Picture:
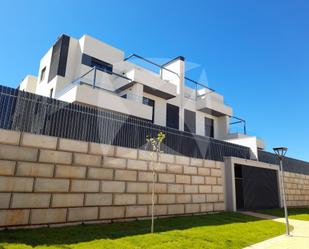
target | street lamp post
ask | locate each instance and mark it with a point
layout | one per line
(280, 152)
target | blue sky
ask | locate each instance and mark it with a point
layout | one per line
(255, 53)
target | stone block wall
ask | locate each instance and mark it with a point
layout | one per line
(50, 181)
(297, 189)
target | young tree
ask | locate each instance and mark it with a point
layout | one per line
(155, 144)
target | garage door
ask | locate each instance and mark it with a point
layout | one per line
(256, 188)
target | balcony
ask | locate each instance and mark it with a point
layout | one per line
(152, 83)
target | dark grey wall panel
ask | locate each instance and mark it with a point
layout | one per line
(59, 57)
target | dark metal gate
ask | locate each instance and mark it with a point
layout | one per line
(256, 188)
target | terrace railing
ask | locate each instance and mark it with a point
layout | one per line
(32, 113)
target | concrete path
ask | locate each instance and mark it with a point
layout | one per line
(299, 238)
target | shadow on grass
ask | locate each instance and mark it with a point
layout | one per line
(84, 233)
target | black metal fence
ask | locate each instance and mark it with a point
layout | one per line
(289, 164)
(32, 113)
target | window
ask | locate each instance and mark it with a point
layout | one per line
(209, 127)
(94, 62)
(172, 116)
(150, 102)
(51, 92)
(124, 96)
(190, 121)
(43, 71)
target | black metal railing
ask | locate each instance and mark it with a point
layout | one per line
(23, 111)
(289, 164)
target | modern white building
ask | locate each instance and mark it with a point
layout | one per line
(90, 72)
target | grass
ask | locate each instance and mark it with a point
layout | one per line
(222, 230)
(294, 213)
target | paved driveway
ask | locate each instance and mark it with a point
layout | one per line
(299, 238)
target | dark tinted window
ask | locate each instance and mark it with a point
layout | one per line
(189, 122)
(209, 127)
(43, 74)
(172, 116)
(94, 62)
(150, 102)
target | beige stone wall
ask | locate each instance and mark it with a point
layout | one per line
(48, 180)
(297, 189)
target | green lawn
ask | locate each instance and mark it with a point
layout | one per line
(294, 213)
(222, 230)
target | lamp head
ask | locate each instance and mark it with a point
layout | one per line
(280, 152)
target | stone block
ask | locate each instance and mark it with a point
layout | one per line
(125, 175)
(112, 162)
(111, 212)
(198, 180)
(99, 173)
(209, 164)
(9, 137)
(85, 186)
(87, 160)
(112, 186)
(212, 197)
(72, 145)
(220, 180)
(14, 217)
(124, 152)
(137, 164)
(101, 149)
(211, 180)
(15, 184)
(137, 187)
(158, 210)
(11, 152)
(205, 189)
(67, 200)
(70, 172)
(196, 162)
(146, 176)
(190, 170)
(216, 172)
(167, 158)
(167, 178)
(220, 206)
(174, 168)
(124, 199)
(5, 200)
(48, 216)
(166, 198)
(30, 200)
(34, 169)
(183, 179)
(191, 188)
(39, 141)
(198, 198)
(7, 168)
(136, 211)
(176, 209)
(146, 155)
(175, 188)
(221, 197)
(52, 156)
(192, 208)
(157, 166)
(203, 171)
(83, 213)
(184, 198)
(217, 189)
(146, 199)
(207, 207)
(219, 165)
(98, 199)
(159, 188)
(182, 160)
(51, 185)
